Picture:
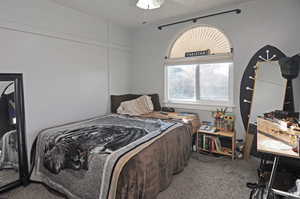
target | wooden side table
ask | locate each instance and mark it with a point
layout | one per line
(224, 150)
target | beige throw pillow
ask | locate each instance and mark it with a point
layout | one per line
(139, 106)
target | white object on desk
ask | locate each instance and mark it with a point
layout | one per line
(208, 129)
(275, 145)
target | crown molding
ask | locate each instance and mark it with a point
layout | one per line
(41, 31)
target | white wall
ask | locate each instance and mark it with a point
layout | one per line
(65, 57)
(262, 22)
(120, 70)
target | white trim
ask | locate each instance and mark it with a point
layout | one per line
(41, 31)
(231, 83)
(197, 106)
(218, 58)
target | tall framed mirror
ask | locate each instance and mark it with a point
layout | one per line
(263, 89)
(269, 90)
(13, 155)
(269, 94)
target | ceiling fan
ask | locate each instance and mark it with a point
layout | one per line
(154, 4)
(149, 4)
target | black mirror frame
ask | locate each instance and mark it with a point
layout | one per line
(17, 78)
(248, 81)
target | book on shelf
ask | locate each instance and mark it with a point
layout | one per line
(210, 143)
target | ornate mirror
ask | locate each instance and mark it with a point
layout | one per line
(13, 157)
(269, 90)
(263, 89)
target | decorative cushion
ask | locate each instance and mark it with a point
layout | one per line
(116, 101)
(139, 106)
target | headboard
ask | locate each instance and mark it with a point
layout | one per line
(116, 101)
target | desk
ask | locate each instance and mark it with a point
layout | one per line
(262, 138)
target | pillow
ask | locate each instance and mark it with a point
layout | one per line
(139, 106)
(116, 101)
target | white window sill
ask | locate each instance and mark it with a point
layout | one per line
(197, 106)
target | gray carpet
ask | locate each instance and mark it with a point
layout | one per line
(8, 176)
(205, 177)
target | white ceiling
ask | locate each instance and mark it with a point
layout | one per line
(125, 12)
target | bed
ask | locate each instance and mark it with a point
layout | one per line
(111, 156)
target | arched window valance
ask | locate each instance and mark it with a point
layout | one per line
(201, 39)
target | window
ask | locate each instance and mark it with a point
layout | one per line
(199, 83)
(214, 81)
(182, 82)
(204, 80)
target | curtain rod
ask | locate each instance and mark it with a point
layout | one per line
(195, 19)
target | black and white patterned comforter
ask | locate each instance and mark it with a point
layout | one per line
(78, 159)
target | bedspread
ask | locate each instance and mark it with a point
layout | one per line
(99, 157)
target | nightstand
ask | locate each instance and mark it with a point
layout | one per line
(210, 142)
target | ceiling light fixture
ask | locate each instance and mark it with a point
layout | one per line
(149, 4)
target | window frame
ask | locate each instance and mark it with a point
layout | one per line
(208, 105)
